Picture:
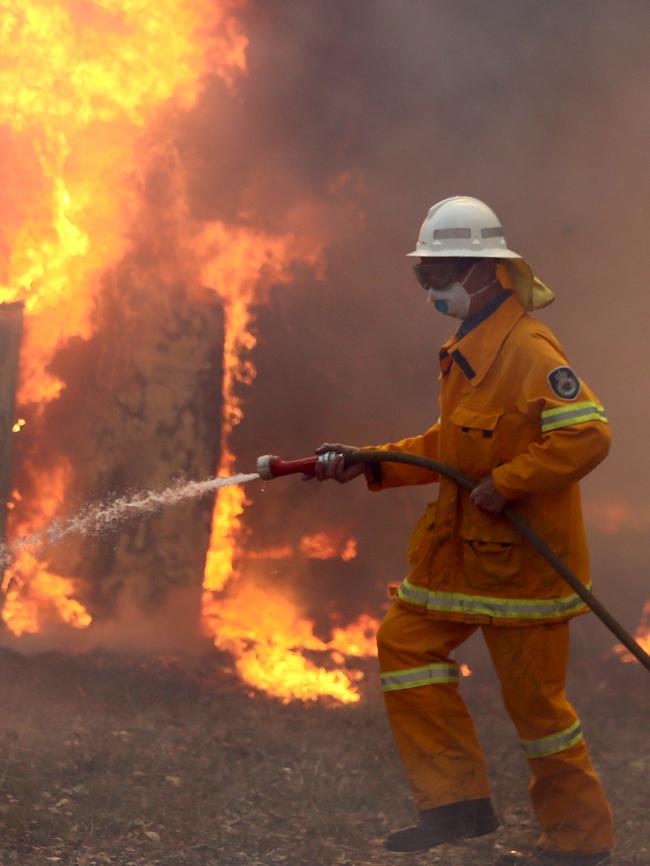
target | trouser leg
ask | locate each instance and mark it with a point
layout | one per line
(566, 793)
(433, 731)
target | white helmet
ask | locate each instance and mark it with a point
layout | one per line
(465, 227)
(462, 226)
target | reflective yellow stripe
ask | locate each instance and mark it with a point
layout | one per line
(570, 407)
(427, 675)
(414, 594)
(591, 416)
(554, 743)
(576, 413)
(482, 605)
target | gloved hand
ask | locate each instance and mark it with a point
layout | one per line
(336, 470)
(487, 497)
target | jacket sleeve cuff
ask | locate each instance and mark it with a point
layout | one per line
(500, 481)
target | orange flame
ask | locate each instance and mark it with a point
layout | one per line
(264, 631)
(358, 638)
(234, 262)
(642, 637)
(328, 545)
(35, 596)
(82, 84)
(268, 637)
(321, 545)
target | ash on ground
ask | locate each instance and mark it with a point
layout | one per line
(134, 761)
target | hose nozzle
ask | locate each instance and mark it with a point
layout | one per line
(269, 466)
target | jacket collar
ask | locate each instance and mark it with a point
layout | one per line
(475, 352)
(474, 321)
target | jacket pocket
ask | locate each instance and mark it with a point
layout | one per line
(475, 435)
(492, 550)
(418, 542)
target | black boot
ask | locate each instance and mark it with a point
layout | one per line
(445, 824)
(544, 857)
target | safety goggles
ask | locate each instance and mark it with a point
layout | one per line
(435, 275)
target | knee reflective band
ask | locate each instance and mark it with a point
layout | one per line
(554, 743)
(566, 416)
(427, 675)
(517, 520)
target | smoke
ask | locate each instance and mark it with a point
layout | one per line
(353, 119)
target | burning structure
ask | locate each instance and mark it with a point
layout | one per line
(138, 335)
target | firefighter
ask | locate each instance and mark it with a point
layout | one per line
(515, 416)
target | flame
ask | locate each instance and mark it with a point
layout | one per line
(234, 260)
(80, 85)
(350, 550)
(264, 631)
(321, 545)
(358, 638)
(328, 545)
(33, 594)
(82, 88)
(268, 637)
(642, 636)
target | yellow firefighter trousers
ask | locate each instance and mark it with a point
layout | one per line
(436, 738)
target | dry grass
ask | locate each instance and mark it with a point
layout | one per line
(114, 760)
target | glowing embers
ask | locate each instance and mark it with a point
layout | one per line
(275, 647)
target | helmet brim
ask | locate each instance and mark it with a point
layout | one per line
(465, 254)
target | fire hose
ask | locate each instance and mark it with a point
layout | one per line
(271, 466)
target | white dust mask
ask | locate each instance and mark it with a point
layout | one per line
(454, 300)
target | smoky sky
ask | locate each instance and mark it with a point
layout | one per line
(538, 108)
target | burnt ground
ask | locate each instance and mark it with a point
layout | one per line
(118, 760)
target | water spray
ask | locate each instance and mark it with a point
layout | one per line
(107, 516)
(269, 466)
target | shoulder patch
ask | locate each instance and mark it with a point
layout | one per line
(564, 383)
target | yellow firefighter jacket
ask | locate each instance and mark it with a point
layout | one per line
(510, 406)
